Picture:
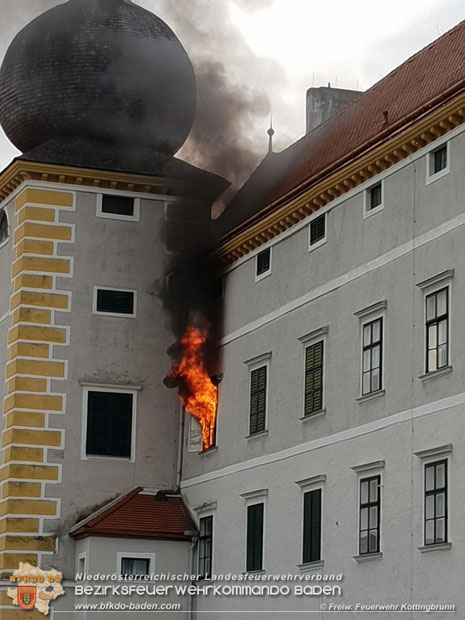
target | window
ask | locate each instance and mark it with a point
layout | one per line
(255, 514)
(205, 547)
(372, 339)
(263, 264)
(109, 423)
(369, 523)
(118, 207)
(312, 527)
(313, 378)
(135, 566)
(375, 196)
(436, 503)
(3, 226)
(258, 378)
(437, 164)
(114, 302)
(318, 230)
(437, 328)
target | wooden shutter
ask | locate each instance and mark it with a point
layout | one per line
(254, 537)
(312, 526)
(314, 378)
(263, 261)
(109, 424)
(317, 229)
(257, 399)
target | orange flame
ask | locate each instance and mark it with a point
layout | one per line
(197, 392)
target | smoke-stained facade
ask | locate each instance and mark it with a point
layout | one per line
(332, 290)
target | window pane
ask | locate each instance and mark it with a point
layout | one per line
(440, 530)
(429, 507)
(366, 335)
(375, 380)
(366, 360)
(429, 478)
(432, 360)
(442, 302)
(374, 490)
(364, 519)
(376, 330)
(375, 359)
(432, 336)
(429, 533)
(442, 336)
(440, 475)
(364, 492)
(442, 359)
(363, 542)
(373, 541)
(366, 384)
(373, 516)
(430, 307)
(440, 505)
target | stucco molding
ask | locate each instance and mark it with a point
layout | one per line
(311, 482)
(358, 469)
(434, 452)
(376, 307)
(444, 276)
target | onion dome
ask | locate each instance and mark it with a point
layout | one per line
(104, 71)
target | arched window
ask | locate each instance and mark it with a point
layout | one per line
(3, 226)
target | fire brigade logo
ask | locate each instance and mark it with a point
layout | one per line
(35, 588)
(27, 596)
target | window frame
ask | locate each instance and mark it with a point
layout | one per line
(369, 321)
(369, 315)
(367, 211)
(136, 555)
(203, 516)
(308, 485)
(254, 498)
(311, 339)
(324, 239)
(85, 403)
(431, 176)
(266, 273)
(368, 478)
(135, 217)
(254, 364)
(121, 315)
(443, 286)
(434, 463)
(5, 218)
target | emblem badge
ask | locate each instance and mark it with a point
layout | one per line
(27, 596)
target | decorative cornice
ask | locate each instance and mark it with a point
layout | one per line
(20, 171)
(278, 216)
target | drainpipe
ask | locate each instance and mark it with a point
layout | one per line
(192, 568)
(180, 446)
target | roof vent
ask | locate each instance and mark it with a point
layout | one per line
(161, 497)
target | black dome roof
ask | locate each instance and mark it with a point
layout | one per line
(105, 70)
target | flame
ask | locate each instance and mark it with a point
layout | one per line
(197, 392)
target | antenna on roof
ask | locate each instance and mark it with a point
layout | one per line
(270, 133)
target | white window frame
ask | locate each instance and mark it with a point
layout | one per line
(85, 399)
(5, 241)
(427, 457)
(252, 498)
(254, 364)
(367, 212)
(135, 217)
(307, 485)
(428, 287)
(120, 315)
(320, 242)
(368, 315)
(79, 557)
(368, 470)
(266, 273)
(137, 556)
(431, 177)
(206, 510)
(313, 337)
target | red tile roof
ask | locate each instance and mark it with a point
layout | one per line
(422, 82)
(139, 515)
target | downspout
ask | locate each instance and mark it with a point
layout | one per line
(179, 458)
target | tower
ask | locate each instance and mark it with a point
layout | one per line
(98, 96)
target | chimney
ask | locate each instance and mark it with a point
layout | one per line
(324, 102)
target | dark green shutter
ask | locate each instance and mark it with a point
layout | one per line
(257, 400)
(314, 378)
(312, 527)
(254, 537)
(109, 424)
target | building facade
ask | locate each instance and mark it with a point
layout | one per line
(338, 441)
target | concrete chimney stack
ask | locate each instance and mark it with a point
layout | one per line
(324, 102)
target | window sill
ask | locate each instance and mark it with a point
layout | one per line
(431, 178)
(436, 547)
(371, 396)
(369, 212)
(259, 434)
(436, 373)
(309, 566)
(317, 244)
(209, 451)
(312, 416)
(368, 557)
(259, 571)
